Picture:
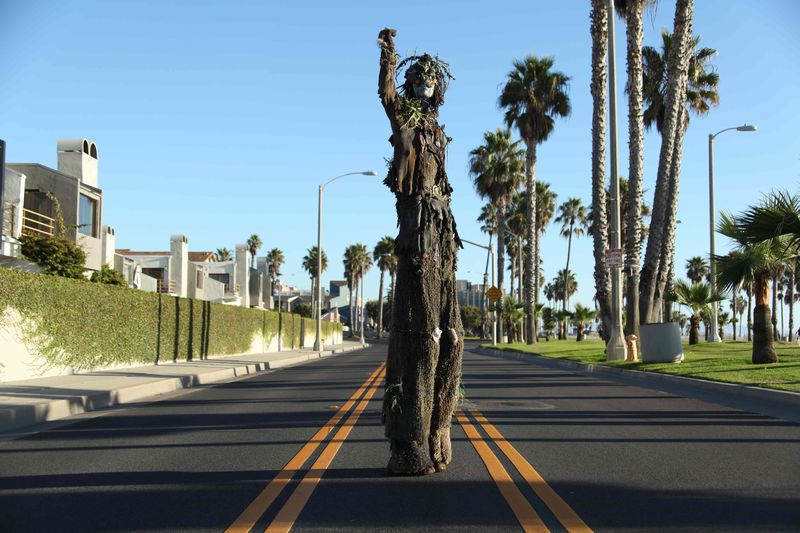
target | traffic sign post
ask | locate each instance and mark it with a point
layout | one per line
(614, 257)
(494, 294)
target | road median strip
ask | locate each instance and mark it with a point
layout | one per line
(286, 517)
(264, 500)
(562, 511)
(520, 506)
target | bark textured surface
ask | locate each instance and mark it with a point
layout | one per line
(426, 343)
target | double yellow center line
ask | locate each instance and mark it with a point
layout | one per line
(291, 510)
(520, 506)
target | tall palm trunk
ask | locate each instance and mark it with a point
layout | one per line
(775, 307)
(394, 279)
(678, 71)
(733, 301)
(750, 314)
(501, 231)
(790, 295)
(633, 217)
(666, 263)
(563, 326)
(694, 329)
(313, 298)
(602, 277)
(380, 306)
(520, 254)
(763, 347)
(531, 246)
(351, 286)
(362, 307)
(566, 269)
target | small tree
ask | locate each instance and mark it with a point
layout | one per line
(303, 310)
(223, 254)
(698, 297)
(512, 314)
(581, 317)
(471, 318)
(56, 255)
(109, 276)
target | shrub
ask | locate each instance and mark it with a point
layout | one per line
(56, 255)
(109, 276)
(303, 310)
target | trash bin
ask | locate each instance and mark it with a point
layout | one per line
(661, 343)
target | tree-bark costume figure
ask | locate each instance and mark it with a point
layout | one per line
(423, 368)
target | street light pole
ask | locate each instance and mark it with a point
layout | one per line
(615, 349)
(318, 345)
(714, 336)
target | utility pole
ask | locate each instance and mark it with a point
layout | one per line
(615, 349)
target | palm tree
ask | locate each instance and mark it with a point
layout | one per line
(564, 286)
(488, 218)
(697, 297)
(738, 309)
(253, 244)
(533, 97)
(777, 215)
(383, 255)
(723, 318)
(696, 269)
(310, 266)
(549, 292)
(572, 217)
(702, 82)
(660, 242)
(699, 95)
(753, 265)
(581, 316)
(496, 167)
(631, 11)
(602, 277)
(275, 261)
(357, 261)
(512, 313)
(353, 269)
(223, 254)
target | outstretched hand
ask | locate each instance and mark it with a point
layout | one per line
(386, 38)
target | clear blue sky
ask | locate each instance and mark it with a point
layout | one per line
(220, 119)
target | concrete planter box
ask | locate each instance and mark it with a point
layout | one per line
(661, 343)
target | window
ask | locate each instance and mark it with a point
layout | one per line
(200, 276)
(87, 216)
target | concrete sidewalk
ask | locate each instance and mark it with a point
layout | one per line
(33, 401)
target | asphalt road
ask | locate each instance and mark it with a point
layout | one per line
(603, 455)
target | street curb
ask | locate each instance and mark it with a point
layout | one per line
(20, 416)
(729, 393)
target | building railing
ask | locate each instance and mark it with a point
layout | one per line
(166, 287)
(236, 288)
(37, 223)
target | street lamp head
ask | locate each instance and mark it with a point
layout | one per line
(370, 173)
(746, 127)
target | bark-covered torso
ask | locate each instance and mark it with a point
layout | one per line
(419, 181)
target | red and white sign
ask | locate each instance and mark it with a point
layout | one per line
(614, 257)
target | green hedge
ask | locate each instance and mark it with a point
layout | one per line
(82, 324)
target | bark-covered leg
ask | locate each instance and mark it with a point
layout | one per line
(411, 367)
(448, 376)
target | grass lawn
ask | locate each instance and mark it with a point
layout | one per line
(727, 361)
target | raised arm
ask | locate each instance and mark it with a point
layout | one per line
(386, 89)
